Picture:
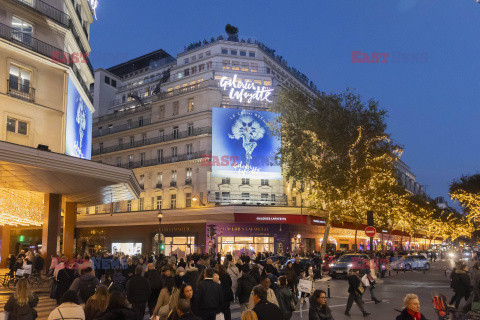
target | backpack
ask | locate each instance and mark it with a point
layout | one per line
(87, 288)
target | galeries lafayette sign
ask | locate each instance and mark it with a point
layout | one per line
(245, 91)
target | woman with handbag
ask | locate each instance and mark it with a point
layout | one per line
(167, 300)
(286, 300)
(21, 304)
(318, 306)
(369, 282)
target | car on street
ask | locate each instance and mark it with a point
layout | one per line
(411, 262)
(347, 262)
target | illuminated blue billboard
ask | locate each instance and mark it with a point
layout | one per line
(243, 145)
(78, 138)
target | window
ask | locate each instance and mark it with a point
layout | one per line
(142, 158)
(225, 180)
(189, 149)
(120, 143)
(160, 156)
(17, 126)
(161, 135)
(107, 80)
(188, 176)
(224, 51)
(254, 67)
(208, 53)
(190, 104)
(144, 139)
(200, 56)
(243, 53)
(22, 31)
(175, 132)
(226, 64)
(173, 201)
(119, 161)
(129, 123)
(159, 202)
(244, 66)
(159, 180)
(201, 67)
(264, 182)
(114, 83)
(129, 205)
(186, 72)
(194, 70)
(19, 79)
(174, 153)
(161, 112)
(217, 196)
(209, 65)
(132, 141)
(190, 129)
(173, 179)
(141, 204)
(245, 180)
(117, 206)
(245, 196)
(130, 160)
(140, 121)
(235, 65)
(272, 197)
(176, 106)
(233, 52)
(225, 196)
(251, 54)
(100, 146)
(294, 201)
(264, 197)
(186, 60)
(87, 210)
(188, 200)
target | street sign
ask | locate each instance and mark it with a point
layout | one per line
(210, 244)
(370, 232)
(302, 246)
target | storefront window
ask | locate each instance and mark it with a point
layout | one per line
(179, 245)
(257, 244)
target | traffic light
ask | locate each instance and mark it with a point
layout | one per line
(162, 246)
(370, 218)
(213, 231)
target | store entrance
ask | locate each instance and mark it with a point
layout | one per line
(180, 246)
(245, 244)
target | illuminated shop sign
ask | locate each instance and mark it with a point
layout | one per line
(245, 135)
(319, 221)
(282, 219)
(245, 91)
(78, 138)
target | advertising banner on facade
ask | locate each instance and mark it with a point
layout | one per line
(243, 145)
(78, 140)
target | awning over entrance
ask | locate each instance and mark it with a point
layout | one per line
(82, 181)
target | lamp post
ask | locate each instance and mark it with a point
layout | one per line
(160, 235)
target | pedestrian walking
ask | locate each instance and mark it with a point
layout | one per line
(118, 307)
(355, 291)
(369, 282)
(291, 277)
(167, 300)
(234, 274)
(245, 286)
(475, 296)
(22, 303)
(271, 297)
(226, 283)
(64, 276)
(412, 308)
(461, 284)
(155, 279)
(308, 276)
(318, 307)
(285, 298)
(97, 303)
(186, 293)
(184, 312)
(209, 297)
(69, 308)
(263, 308)
(138, 292)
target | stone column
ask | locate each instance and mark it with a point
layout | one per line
(51, 226)
(5, 243)
(69, 223)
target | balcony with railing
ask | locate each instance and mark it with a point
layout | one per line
(20, 91)
(27, 41)
(121, 127)
(237, 199)
(150, 141)
(164, 160)
(173, 183)
(188, 181)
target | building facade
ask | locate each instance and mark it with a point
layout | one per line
(162, 117)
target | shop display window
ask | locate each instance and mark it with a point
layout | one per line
(257, 244)
(179, 245)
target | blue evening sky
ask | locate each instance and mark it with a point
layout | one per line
(433, 101)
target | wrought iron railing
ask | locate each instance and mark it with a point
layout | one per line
(21, 91)
(154, 162)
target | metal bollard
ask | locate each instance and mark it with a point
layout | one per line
(445, 270)
(328, 288)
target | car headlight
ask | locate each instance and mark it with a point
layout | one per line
(350, 265)
(332, 265)
(451, 255)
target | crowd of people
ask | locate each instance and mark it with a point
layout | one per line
(200, 286)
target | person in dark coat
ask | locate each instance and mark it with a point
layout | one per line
(184, 312)
(209, 297)
(355, 293)
(245, 285)
(21, 304)
(318, 307)
(38, 263)
(285, 299)
(291, 277)
(155, 279)
(264, 309)
(461, 284)
(412, 309)
(117, 308)
(138, 292)
(226, 283)
(65, 278)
